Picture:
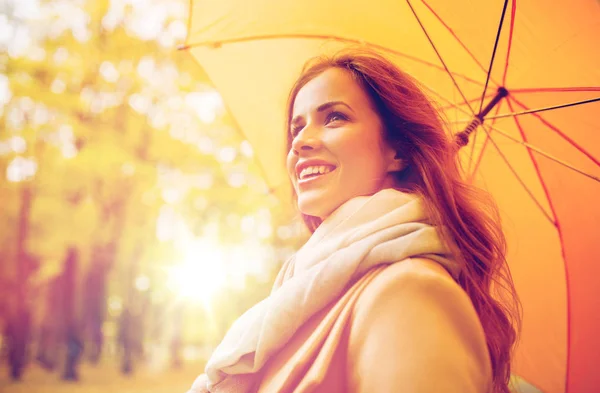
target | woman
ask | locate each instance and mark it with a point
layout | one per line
(393, 291)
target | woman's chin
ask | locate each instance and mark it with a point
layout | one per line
(315, 207)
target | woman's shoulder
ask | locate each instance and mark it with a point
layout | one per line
(409, 276)
(419, 283)
(416, 317)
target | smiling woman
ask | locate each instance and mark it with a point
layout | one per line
(393, 291)
(336, 127)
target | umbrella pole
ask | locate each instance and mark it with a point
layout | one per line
(462, 138)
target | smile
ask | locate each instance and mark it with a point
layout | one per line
(311, 173)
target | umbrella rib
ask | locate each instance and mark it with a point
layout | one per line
(510, 38)
(548, 108)
(261, 168)
(483, 148)
(556, 89)
(489, 72)
(463, 121)
(440, 58)
(514, 172)
(264, 37)
(541, 152)
(479, 158)
(533, 160)
(528, 145)
(456, 37)
(471, 101)
(561, 134)
(450, 103)
(189, 21)
(562, 249)
(471, 172)
(472, 152)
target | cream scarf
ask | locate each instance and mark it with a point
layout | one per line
(364, 232)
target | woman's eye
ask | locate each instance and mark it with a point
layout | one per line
(295, 131)
(335, 116)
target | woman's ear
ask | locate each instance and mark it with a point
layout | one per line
(396, 163)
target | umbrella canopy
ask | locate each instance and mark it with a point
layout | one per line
(538, 151)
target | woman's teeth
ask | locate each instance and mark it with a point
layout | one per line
(314, 170)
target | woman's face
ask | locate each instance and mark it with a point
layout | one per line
(337, 150)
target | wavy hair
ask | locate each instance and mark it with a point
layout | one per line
(414, 127)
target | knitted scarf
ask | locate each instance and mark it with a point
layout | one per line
(367, 231)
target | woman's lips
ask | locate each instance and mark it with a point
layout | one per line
(312, 179)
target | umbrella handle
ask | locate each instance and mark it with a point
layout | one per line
(462, 138)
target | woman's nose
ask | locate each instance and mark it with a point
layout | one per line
(306, 140)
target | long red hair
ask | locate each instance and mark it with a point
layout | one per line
(413, 126)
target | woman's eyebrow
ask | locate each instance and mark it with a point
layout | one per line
(327, 105)
(322, 108)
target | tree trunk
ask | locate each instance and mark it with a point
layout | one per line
(19, 324)
(94, 295)
(72, 332)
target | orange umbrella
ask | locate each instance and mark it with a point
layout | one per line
(528, 70)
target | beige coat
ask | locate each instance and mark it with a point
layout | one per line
(402, 328)
(343, 317)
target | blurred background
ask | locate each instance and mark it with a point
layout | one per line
(135, 223)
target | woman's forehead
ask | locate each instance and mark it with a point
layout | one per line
(333, 84)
